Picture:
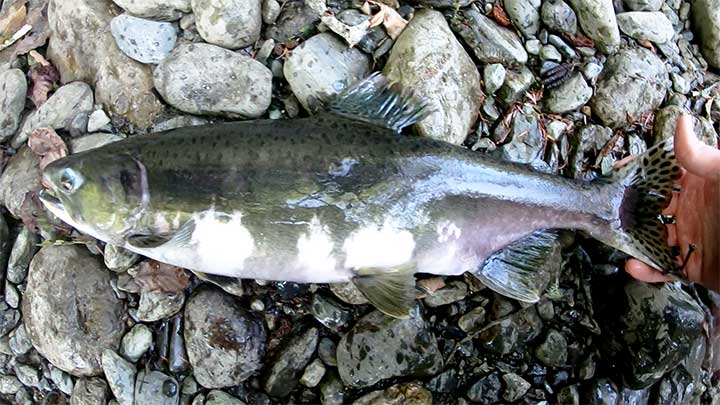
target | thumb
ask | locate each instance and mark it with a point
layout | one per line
(692, 154)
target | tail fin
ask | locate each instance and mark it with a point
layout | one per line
(644, 189)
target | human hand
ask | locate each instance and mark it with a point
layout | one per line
(696, 208)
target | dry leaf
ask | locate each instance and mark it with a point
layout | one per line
(580, 40)
(392, 21)
(365, 8)
(30, 209)
(47, 144)
(430, 285)
(498, 14)
(37, 18)
(12, 21)
(43, 80)
(153, 276)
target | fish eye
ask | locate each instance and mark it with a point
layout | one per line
(69, 180)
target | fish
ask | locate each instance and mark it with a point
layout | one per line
(343, 196)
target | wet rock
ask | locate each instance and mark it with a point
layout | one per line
(313, 373)
(500, 338)
(179, 121)
(62, 380)
(119, 259)
(177, 359)
(517, 82)
(494, 77)
(472, 320)
(680, 84)
(322, 67)
(453, 292)
(5, 244)
(143, 40)
(93, 141)
(347, 292)
(22, 253)
(72, 337)
(649, 26)
(120, 375)
(428, 59)
(601, 391)
(9, 384)
(228, 23)
(332, 390)
(270, 11)
(154, 306)
(296, 19)
(565, 49)
(20, 343)
(207, 79)
(490, 42)
(217, 397)
(29, 376)
(569, 96)
(63, 105)
(89, 391)
(154, 387)
(549, 52)
(524, 138)
(666, 121)
(285, 372)
(597, 20)
(363, 352)
(633, 84)
(569, 395)
(515, 387)
(553, 350)
(559, 16)
(406, 393)
(136, 342)
(643, 5)
(9, 318)
(13, 89)
(327, 351)
(98, 121)
(525, 14)
(82, 48)
(706, 21)
(329, 312)
(447, 381)
(165, 10)
(225, 344)
(486, 390)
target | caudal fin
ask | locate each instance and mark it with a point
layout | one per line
(645, 188)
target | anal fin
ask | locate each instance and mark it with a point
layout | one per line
(523, 269)
(392, 291)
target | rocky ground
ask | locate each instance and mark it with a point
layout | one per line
(567, 87)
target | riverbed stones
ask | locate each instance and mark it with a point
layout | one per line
(569, 96)
(228, 23)
(143, 40)
(525, 14)
(649, 26)
(13, 88)
(706, 22)
(164, 10)
(558, 16)
(597, 20)
(490, 42)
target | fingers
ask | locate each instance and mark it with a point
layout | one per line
(643, 272)
(695, 156)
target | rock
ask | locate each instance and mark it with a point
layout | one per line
(429, 60)
(89, 391)
(486, 390)
(633, 83)
(525, 14)
(225, 344)
(62, 380)
(154, 306)
(347, 292)
(217, 397)
(72, 337)
(119, 259)
(93, 141)
(569, 395)
(20, 343)
(601, 391)
(517, 82)
(9, 384)
(9, 318)
(228, 23)
(591, 71)
(559, 16)
(284, 373)
(329, 312)
(706, 20)
(643, 5)
(154, 387)
(143, 40)
(13, 90)
(666, 121)
(549, 52)
(524, 138)
(82, 48)
(29, 376)
(12, 295)
(313, 373)
(322, 67)
(120, 375)
(453, 292)
(362, 354)
(190, 386)
(597, 19)
(179, 122)
(296, 19)
(63, 105)
(472, 320)
(565, 49)
(533, 46)
(136, 342)
(490, 42)
(494, 77)
(569, 96)
(327, 351)
(680, 85)
(648, 26)
(515, 387)
(207, 79)
(165, 10)
(332, 390)
(22, 253)
(270, 11)
(406, 393)
(553, 350)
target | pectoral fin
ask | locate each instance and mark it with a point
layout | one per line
(523, 269)
(149, 241)
(392, 291)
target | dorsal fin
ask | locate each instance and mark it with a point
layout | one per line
(377, 102)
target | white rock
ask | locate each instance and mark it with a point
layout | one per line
(13, 90)
(229, 23)
(494, 77)
(144, 40)
(168, 10)
(136, 342)
(649, 26)
(120, 375)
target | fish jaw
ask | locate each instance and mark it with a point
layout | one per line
(56, 207)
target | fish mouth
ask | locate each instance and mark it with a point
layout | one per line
(54, 205)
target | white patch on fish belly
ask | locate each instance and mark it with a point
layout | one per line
(448, 231)
(383, 247)
(222, 243)
(315, 250)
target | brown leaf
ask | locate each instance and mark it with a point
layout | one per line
(37, 17)
(580, 40)
(153, 276)
(498, 14)
(30, 209)
(430, 285)
(12, 20)
(43, 80)
(392, 21)
(47, 144)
